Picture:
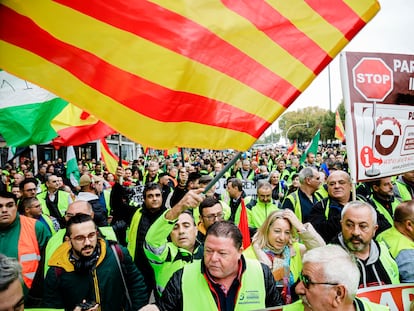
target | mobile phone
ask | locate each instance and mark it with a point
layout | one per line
(86, 305)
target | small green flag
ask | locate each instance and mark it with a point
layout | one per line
(312, 147)
(72, 170)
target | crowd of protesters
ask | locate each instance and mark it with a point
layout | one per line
(150, 236)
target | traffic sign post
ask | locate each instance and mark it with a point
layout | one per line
(373, 79)
(378, 92)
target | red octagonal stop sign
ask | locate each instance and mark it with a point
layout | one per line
(373, 78)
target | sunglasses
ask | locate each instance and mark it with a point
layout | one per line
(307, 281)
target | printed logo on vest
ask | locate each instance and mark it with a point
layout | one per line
(249, 297)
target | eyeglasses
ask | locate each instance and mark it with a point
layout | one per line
(307, 281)
(82, 238)
(30, 190)
(212, 217)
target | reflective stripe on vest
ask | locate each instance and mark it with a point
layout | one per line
(297, 207)
(296, 204)
(133, 232)
(28, 249)
(389, 264)
(381, 209)
(107, 196)
(251, 294)
(296, 262)
(63, 202)
(404, 191)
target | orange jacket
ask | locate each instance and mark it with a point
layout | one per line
(28, 249)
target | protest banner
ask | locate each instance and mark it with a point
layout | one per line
(396, 297)
(379, 106)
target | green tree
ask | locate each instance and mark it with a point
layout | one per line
(314, 117)
(328, 126)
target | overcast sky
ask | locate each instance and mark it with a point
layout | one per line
(390, 31)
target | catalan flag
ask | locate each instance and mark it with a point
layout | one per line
(339, 128)
(184, 73)
(293, 148)
(110, 159)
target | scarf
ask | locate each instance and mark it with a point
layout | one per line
(280, 268)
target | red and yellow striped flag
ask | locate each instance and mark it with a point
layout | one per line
(110, 159)
(202, 74)
(339, 128)
(76, 127)
(293, 148)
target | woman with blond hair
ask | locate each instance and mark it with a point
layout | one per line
(279, 187)
(276, 244)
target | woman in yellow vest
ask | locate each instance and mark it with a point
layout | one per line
(276, 245)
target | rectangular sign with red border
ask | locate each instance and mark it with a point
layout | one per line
(379, 104)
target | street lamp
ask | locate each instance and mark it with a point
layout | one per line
(294, 125)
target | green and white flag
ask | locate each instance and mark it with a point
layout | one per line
(26, 111)
(312, 147)
(72, 170)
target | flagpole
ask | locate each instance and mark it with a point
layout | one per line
(292, 126)
(120, 149)
(222, 172)
(182, 157)
(329, 87)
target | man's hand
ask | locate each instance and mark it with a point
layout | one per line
(120, 172)
(191, 199)
(293, 219)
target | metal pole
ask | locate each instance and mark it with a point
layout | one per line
(120, 149)
(329, 87)
(294, 125)
(182, 157)
(224, 170)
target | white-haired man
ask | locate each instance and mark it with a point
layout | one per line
(329, 281)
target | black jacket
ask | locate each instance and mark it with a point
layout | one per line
(327, 227)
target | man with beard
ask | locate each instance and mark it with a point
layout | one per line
(383, 200)
(89, 269)
(77, 207)
(329, 281)
(375, 263)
